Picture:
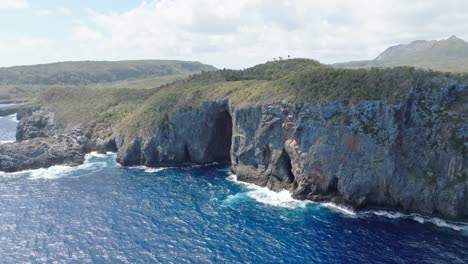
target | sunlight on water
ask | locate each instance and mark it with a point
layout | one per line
(102, 212)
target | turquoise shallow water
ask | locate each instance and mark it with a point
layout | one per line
(100, 212)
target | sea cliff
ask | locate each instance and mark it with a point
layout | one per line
(408, 153)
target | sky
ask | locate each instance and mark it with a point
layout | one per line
(224, 33)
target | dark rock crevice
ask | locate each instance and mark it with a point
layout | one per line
(187, 158)
(219, 144)
(191, 137)
(284, 168)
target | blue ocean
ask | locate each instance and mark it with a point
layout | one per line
(100, 212)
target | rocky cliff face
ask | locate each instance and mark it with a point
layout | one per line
(41, 153)
(193, 137)
(409, 155)
(42, 143)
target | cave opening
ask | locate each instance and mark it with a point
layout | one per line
(284, 168)
(219, 148)
(187, 158)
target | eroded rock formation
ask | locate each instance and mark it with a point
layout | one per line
(408, 155)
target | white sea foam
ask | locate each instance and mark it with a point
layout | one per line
(6, 141)
(89, 166)
(95, 154)
(457, 226)
(10, 117)
(158, 169)
(13, 118)
(59, 171)
(204, 165)
(269, 197)
(148, 169)
(284, 199)
(338, 208)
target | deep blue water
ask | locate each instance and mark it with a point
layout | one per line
(101, 212)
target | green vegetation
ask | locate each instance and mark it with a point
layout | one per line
(26, 82)
(450, 55)
(137, 111)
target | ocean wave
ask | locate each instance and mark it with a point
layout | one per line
(203, 165)
(338, 208)
(10, 117)
(457, 226)
(95, 154)
(284, 199)
(13, 118)
(266, 196)
(60, 171)
(148, 169)
(158, 169)
(6, 141)
(93, 162)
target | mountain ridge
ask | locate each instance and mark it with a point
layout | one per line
(448, 55)
(23, 82)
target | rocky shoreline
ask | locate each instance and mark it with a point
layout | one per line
(408, 156)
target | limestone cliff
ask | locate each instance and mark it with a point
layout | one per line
(409, 155)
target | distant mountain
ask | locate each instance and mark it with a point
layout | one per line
(93, 72)
(25, 82)
(449, 55)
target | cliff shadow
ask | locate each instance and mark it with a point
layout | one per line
(219, 144)
(284, 168)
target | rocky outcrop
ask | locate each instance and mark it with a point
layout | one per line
(36, 123)
(41, 153)
(42, 143)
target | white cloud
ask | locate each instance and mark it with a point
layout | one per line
(21, 50)
(245, 32)
(85, 34)
(42, 12)
(13, 4)
(65, 11)
(241, 33)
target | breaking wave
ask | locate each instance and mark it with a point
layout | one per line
(93, 162)
(457, 226)
(158, 169)
(148, 169)
(284, 199)
(264, 195)
(13, 118)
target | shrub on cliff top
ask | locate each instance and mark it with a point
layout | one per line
(294, 81)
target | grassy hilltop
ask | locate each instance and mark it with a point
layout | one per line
(101, 111)
(25, 82)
